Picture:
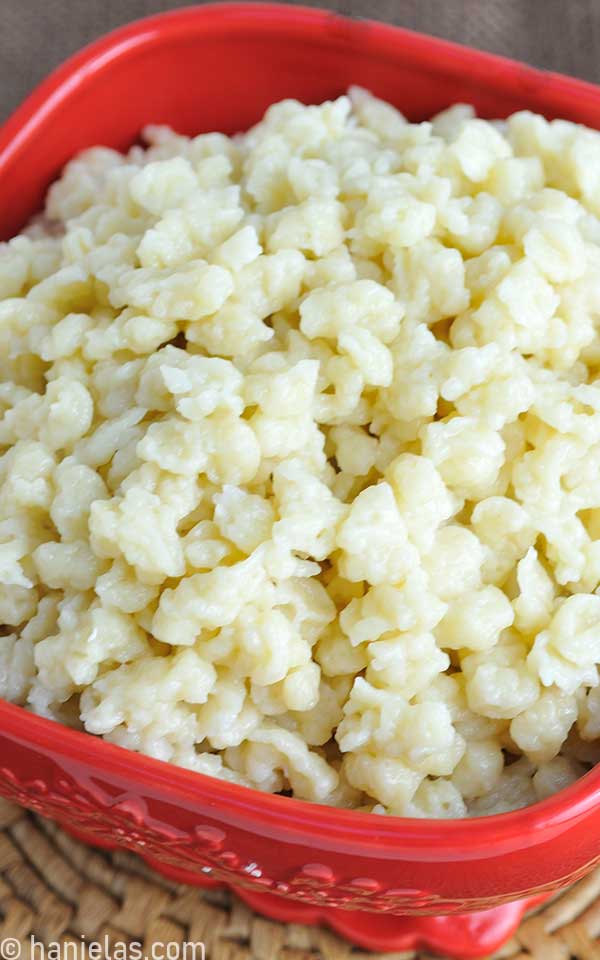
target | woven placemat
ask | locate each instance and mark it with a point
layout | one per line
(61, 891)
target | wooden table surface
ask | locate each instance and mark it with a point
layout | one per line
(563, 35)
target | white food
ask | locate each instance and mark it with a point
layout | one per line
(300, 455)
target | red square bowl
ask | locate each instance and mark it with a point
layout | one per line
(382, 881)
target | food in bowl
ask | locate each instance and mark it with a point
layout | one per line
(301, 441)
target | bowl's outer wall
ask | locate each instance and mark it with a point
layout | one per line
(219, 68)
(223, 833)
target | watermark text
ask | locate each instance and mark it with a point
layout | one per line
(12, 948)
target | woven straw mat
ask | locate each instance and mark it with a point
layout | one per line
(59, 890)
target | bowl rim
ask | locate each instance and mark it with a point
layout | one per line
(253, 16)
(361, 833)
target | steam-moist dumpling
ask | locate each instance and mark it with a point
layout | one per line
(299, 455)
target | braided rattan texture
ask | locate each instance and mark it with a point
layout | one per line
(60, 891)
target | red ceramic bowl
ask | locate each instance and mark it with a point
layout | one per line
(383, 882)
